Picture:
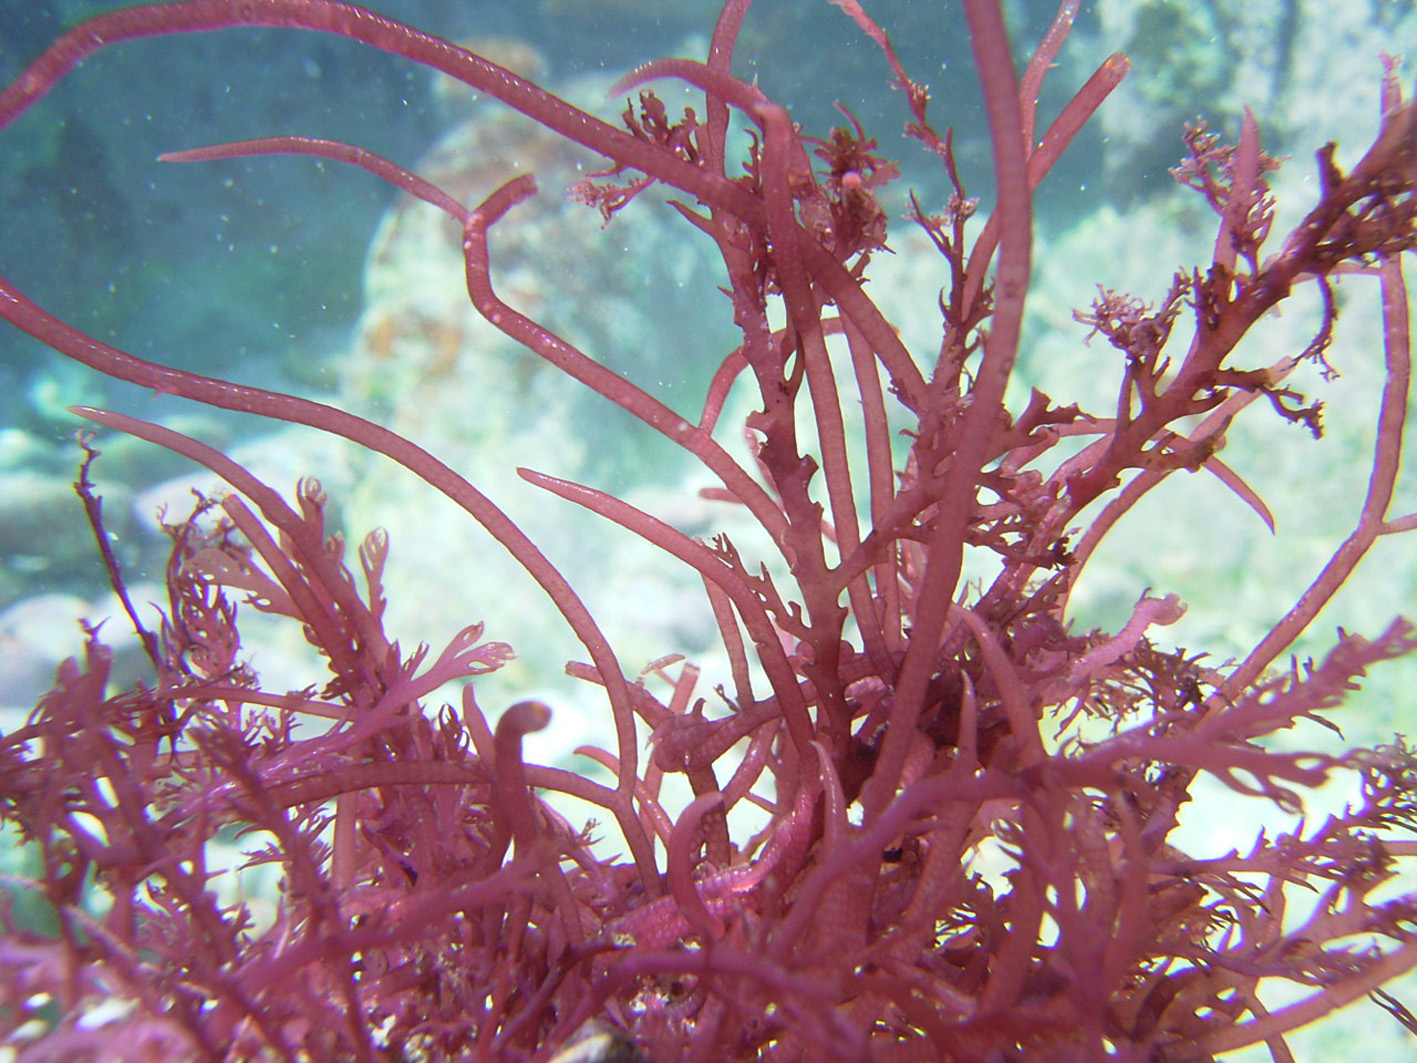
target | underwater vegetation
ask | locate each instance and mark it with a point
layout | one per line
(921, 816)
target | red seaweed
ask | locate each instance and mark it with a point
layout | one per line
(894, 721)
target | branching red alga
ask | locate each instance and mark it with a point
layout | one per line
(892, 720)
